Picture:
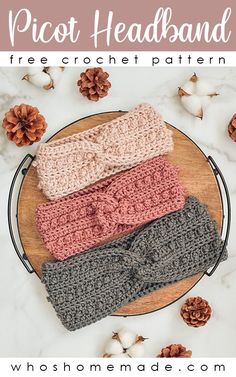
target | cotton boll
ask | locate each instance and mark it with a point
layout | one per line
(55, 74)
(113, 347)
(136, 350)
(193, 105)
(126, 337)
(41, 80)
(196, 94)
(45, 78)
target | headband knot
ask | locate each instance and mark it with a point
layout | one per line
(89, 286)
(115, 205)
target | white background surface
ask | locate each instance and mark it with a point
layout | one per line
(28, 324)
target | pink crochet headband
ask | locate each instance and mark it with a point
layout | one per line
(67, 165)
(115, 205)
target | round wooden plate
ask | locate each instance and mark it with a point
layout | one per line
(195, 174)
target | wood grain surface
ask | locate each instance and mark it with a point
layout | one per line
(195, 174)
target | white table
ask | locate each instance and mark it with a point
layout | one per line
(28, 324)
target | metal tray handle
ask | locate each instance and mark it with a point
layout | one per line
(218, 174)
(20, 254)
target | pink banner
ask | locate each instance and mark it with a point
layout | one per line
(111, 25)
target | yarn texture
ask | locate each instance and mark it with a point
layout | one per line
(67, 165)
(89, 286)
(116, 205)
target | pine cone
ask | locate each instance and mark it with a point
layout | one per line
(24, 125)
(93, 83)
(196, 311)
(232, 128)
(175, 350)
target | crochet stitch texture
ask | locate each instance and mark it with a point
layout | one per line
(118, 204)
(67, 165)
(89, 286)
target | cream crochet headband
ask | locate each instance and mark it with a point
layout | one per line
(67, 165)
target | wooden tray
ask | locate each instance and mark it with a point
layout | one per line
(195, 173)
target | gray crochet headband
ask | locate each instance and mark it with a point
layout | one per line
(92, 285)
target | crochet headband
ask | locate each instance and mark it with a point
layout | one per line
(118, 204)
(67, 165)
(89, 286)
